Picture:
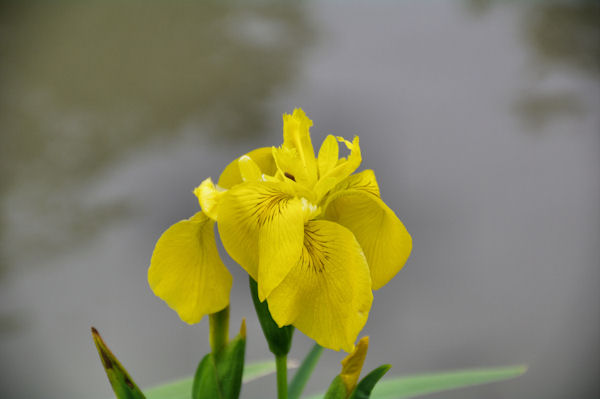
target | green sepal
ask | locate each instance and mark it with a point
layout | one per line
(365, 386)
(220, 376)
(278, 339)
(304, 372)
(122, 384)
(337, 389)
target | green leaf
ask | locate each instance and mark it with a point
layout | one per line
(278, 339)
(365, 386)
(304, 372)
(337, 389)
(257, 370)
(206, 385)
(122, 384)
(180, 389)
(423, 384)
(408, 387)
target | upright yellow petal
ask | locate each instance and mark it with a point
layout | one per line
(261, 226)
(261, 156)
(328, 155)
(296, 136)
(186, 271)
(343, 168)
(327, 294)
(290, 166)
(249, 170)
(355, 204)
(353, 363)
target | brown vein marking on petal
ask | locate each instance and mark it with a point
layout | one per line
(362, 184)
(270, 205)
(314, 254)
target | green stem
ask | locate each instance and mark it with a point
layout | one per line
(281, 363)
(218, 330)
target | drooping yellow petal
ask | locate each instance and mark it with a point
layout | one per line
(280, 244)
(355, 203)
(186, 271)
(327, 294)
(261, 156)
(343, 168)
(353, 363)
(261, 226)
(364, 181)
(296, 136)
(209, 196)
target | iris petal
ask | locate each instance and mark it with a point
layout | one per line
(249, 170)
(186, 271)
(261, 226)
(342, 169)
(209, 197)
(261, 156)
(353, 363)
(327, 294)
(355, 204)
(296, 137)
(328, 155)
(290, 167)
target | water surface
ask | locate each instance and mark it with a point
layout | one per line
(480, 121)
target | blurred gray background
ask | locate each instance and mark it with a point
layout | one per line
(480, 120)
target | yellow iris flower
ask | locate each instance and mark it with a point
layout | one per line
(316, 238)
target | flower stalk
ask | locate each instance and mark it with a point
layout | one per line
(281, 364)
(218, 330)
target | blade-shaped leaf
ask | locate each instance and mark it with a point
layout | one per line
(304, 372)
(366, 385)
(122, 384)
(257, 370)
(417, 385)
(423, 384)
(180, 389)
